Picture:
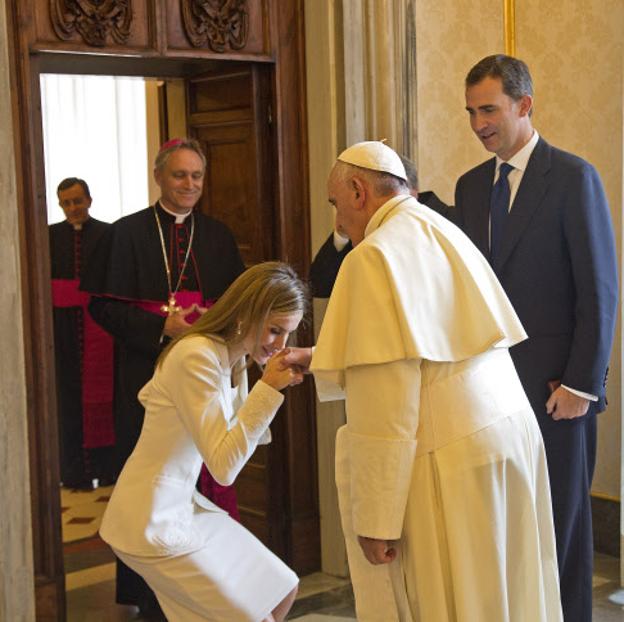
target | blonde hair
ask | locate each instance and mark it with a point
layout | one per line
(266, 288)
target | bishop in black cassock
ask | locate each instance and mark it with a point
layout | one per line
(128, 285)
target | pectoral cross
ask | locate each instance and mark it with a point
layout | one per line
(172, 306)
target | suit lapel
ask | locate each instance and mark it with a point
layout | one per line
(477, 212)
(528, 198)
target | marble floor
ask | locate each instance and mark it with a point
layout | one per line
(90, 575)
(81, 512)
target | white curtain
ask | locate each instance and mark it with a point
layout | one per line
(94, 127)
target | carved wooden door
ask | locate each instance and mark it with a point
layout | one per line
(267, 208)
(229, 113)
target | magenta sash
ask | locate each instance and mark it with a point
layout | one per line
(96, 362)
(223, 496)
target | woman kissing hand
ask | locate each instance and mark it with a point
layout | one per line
(279, 375)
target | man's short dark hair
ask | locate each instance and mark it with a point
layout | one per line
(67, 183)
(512, 72)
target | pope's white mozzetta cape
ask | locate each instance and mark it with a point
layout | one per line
(441, 452)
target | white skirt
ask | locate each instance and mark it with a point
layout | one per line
(234, 577)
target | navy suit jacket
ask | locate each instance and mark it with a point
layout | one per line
(557, 265)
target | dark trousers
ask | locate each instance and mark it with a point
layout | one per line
(133, 590)
(571, 454)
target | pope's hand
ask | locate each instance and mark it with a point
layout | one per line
(377, 551)
(297, 357)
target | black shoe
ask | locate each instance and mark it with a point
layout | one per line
(106, 481)
(149, 609)
(152, 614)
(84, 485)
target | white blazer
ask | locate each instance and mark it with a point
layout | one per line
(193, 414)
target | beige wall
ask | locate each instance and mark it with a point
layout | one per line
(575, 51)
(16, 566)
(451, 35)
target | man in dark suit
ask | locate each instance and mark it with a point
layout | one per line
(327, 262)
(541, 216)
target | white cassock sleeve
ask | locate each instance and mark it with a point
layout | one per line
(382, 413)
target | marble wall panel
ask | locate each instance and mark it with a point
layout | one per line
(16, 566)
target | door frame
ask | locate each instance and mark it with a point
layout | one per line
(292, 239)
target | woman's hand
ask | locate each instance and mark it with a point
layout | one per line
(278, 375)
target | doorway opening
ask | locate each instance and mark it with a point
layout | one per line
(227, 107)
(96, 128)
(105, 130)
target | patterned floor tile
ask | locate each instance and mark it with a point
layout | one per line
(82, 512)
(81, 520)
(90, 569)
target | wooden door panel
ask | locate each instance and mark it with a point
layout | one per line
(259, 526)
(92, 26)
(243, 30)
(250, 489)
(228, 114)
(230, 191)
(252, 485)
(221, 92)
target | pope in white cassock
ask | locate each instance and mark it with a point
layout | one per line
(440, 468)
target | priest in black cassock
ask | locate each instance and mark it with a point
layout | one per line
(83, 351)
(154, 272)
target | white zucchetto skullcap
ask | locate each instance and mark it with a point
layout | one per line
(375, 156)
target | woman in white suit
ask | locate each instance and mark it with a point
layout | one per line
(202, 564)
